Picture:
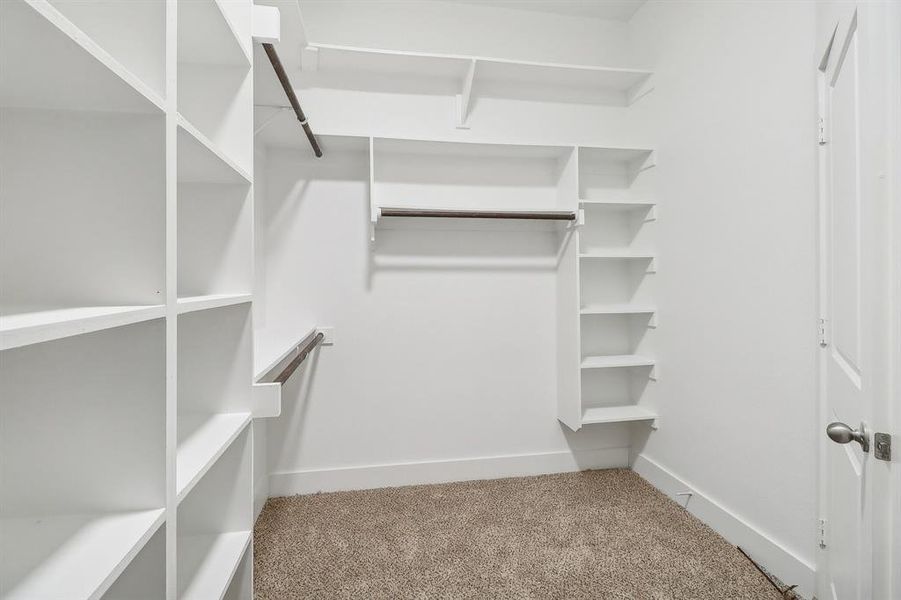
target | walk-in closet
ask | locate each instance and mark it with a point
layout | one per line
(464, 299)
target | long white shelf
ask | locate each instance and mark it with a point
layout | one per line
(616, 361)
(76, 557)
(616, 414)
(70, 71)
(481, 69)
(202, 439)
(207, 564)
(194, 303)
(42, 326)
(201, 161)
(617, 309)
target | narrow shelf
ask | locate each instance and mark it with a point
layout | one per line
(616, 414)
(72, 556)
(207, 563)
(195, 303)
(622, 203)
(218, 44)
(616, 361)
(201, 161)
(616, 309)
(24, 329)
(617, 254)
(69, 72)
(202, 438)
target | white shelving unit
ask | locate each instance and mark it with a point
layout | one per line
(126, 217)
(606, 312)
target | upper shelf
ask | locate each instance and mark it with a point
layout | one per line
(206, 35)
(474, 75)
(48, 63)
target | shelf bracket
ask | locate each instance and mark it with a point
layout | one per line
(464, 98)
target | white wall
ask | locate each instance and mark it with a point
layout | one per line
(439, 368)
(734, 116)
(456, 28)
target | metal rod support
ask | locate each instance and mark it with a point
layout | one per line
(479, 214)
(292, 97)
(304, 351)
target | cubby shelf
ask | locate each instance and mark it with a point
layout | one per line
(23, 329)
(203, 438)
(201, 161)
(195, 303)
(70, 72)
(617, 309)
(72, 556)
(616, 414)
(616, 361)
(208, 563)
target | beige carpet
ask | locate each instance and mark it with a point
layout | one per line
(594, 535)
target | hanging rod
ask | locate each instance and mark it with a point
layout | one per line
(304, 351)
(292, 97)
(546, 215)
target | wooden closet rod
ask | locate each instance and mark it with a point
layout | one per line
(548, 215)
(305, 350)
(292, 97)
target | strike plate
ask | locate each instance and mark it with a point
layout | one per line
(883, 444)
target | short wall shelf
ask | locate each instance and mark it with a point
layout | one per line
(194, 303)
(616, 309)
(617, 414)
(617, 361)
(76, 556)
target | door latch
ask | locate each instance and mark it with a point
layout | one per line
(882, 443)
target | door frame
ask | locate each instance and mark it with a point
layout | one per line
(886, 480)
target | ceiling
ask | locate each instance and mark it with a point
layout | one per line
(616, 10)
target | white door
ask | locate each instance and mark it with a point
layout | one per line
(855, 276)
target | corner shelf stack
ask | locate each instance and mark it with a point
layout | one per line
(125, 339)
(605, 300)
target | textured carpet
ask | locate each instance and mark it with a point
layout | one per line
(594, 535)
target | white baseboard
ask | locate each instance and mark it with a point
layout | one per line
(443, 471)
(783, 563)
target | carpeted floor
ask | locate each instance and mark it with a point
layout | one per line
(593, 535)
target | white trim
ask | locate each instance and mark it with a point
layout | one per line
(443, 471)
(783, 563)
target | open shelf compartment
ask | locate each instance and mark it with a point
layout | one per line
(214, 388)
(101, 494)
(215, 87)
(215, 526)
